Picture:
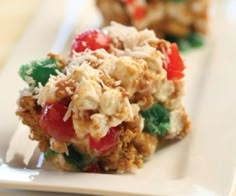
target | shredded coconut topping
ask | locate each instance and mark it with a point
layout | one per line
(107, 88)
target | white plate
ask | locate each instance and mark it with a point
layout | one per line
(201, 164)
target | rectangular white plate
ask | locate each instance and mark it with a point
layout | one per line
(201, 164)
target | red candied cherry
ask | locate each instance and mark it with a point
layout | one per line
(139, 12)
(175, 66)
(129, 1)
(52, 123)
(107, 142)
(93, 168)
(91, 39)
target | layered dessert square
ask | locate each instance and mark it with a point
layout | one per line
(110, 104)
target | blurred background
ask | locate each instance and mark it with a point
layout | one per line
(14, 17)
(53, 22)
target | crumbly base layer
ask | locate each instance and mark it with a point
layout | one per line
(133, 149)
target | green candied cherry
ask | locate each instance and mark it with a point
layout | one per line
(156, 120)
(49, 154)
(78, 159)
(192, 40)
(195, 39)
(39, 71)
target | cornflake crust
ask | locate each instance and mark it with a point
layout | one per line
(166, 17)
(110, 105)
